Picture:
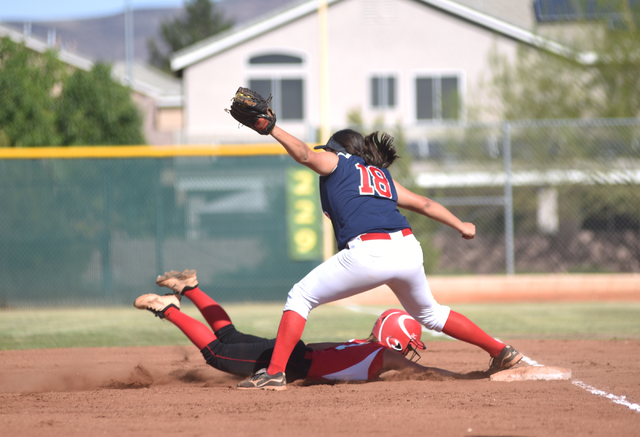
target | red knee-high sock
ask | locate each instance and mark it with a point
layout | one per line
(212, 312)
(461, 328)
(197, 332)
(289, 333)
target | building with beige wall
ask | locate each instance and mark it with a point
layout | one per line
(418, 63)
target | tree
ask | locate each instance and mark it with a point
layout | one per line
(201, 20)
(599, 79)
(615, 71)
(28, 85)
(537, 85)
(93, 109)
(44, 105)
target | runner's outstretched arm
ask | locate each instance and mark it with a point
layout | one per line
(392, 360)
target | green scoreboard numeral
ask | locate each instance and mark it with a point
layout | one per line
(304, 217)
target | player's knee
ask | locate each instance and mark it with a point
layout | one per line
(434, 318)
(298, 301)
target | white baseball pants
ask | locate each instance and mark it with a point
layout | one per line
(364, 265)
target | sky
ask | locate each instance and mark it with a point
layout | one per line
(56, 10)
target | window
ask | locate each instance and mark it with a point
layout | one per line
(438, 97)
(572, 10)
(288, 101)
(279, 75)
(383, 92)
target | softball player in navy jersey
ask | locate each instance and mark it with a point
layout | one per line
(394, 335)
(376, 247)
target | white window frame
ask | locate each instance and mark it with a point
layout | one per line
(277, 72)
(438, 74)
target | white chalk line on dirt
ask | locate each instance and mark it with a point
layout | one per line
(620, 400)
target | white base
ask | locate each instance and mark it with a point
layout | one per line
(532, 373)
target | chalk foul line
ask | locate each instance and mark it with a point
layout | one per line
(621, 400)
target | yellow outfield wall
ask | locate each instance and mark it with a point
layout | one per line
(79, 152)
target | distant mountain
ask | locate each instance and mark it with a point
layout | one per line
(102, 38)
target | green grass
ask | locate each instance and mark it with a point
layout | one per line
(126, 326)
(596, 320)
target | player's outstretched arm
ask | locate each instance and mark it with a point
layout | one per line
(322, 163)
(432, 209)
(392, 360)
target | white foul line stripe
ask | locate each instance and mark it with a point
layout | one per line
(620, 400)
(531, 362)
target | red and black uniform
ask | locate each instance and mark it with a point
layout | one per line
(356, 360)
(242, 354)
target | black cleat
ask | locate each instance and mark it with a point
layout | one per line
(263, 381)
(508, 358)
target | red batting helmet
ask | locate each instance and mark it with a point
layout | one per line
(397, 330)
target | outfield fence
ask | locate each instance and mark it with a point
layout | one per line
(559, 196)
(82, 231)
(96, 225)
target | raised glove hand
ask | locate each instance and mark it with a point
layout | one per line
(252, 110)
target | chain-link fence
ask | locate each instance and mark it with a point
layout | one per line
(546, 197)
(99, 231)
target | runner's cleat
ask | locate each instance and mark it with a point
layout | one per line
(263, 381)
(157, 304)
(179, 282)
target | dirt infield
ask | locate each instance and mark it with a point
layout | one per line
(170, 391)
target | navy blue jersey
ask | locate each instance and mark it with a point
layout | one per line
(359, 198)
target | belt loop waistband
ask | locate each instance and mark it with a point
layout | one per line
(384, 236)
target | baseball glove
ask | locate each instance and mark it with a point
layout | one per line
(252, 110)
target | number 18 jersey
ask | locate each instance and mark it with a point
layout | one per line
(360, 198)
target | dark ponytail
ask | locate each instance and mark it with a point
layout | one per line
(379, 152)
